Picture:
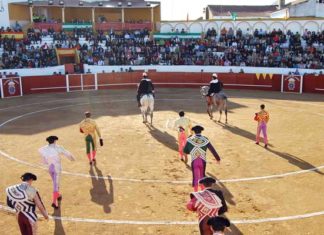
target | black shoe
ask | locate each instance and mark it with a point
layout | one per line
(266, 146)
(257, 143)
(90, 163)
(54, 206)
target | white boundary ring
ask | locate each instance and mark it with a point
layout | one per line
(170, 222)
(6, 155)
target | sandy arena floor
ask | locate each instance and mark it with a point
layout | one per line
(133, 150)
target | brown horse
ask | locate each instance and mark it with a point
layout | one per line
(218, 100)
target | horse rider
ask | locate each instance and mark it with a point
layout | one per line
(144, 88)
(215, 87)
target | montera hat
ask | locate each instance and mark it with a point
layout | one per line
(197, 129)
(28, 176)
(218, 223)
(51, 139)
(207, 180)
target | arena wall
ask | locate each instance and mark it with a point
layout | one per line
(78, 82)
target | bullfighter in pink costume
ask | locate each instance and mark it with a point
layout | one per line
(197, 146)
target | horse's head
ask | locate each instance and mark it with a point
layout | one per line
(204, 90)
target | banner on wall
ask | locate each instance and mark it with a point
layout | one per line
(15, 35)
(292, 83)
(11, 87)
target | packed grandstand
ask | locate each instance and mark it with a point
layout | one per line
(260, 48)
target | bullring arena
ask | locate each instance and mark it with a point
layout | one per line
(139, 185)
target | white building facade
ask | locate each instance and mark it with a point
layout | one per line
(294, 25)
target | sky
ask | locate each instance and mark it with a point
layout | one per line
(178, 9)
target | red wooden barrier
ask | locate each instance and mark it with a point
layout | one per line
(43, 84)
(313, 83)
(57, 83)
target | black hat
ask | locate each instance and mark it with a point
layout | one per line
(28, 176)
(207, 180)
(218, 223)
(197, 129)
(51, 139)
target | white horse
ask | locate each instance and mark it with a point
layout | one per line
(147, 107)
(219, 100)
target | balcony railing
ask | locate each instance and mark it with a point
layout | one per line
(46, 26)
(117, 26)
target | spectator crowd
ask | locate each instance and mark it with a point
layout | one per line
(223, 48)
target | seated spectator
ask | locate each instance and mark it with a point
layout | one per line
(266, 49)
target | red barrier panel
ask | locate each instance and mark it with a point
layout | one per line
(118, 80)
(313, 83)
(75, 82)
(89, 82)
(43, 84)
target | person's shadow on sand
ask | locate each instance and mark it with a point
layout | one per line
(164, 138)
(99, 192)
(294, 160)
(58, 229)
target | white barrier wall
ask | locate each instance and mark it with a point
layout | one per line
(158, 68)
(245, 25)
(188, 68)
(36, 71)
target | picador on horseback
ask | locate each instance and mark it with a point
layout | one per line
(215, 87)
(144, 88)
(215, 97)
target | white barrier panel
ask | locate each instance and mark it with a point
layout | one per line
(197, 69)
(161, 68)
(36, 71)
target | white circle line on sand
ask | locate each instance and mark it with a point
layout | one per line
(171, 222)
(3, 154)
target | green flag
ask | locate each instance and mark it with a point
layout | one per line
(233, 15)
